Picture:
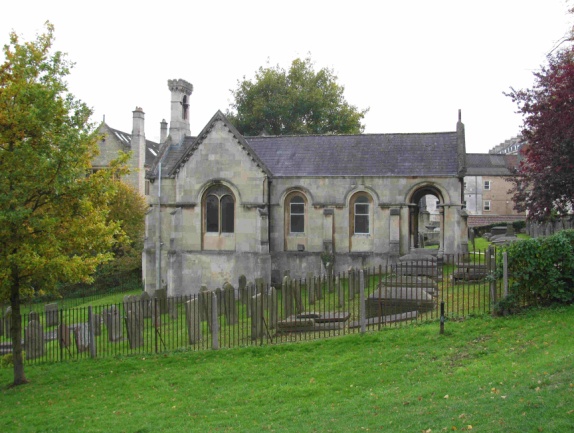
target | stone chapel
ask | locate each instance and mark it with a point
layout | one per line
(223, 204)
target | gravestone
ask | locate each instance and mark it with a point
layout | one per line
(229, 304)
(146, 304)
(259, 284)
(172, 304)
(193, 321)
(250, 290)
(134, 327)
(310, 283)
(397, 300)
(243, 297)
(161, 296)
(97, 324)
(113, 324)
(82, 337)
(64, 336)
(205, 306)
(51, 311)
(340, 292)
(33, 316)
(287, 296)
(273, 308)
(219, 300)
(34, 340)
(257, 317)
(297, 296)
(352, 283)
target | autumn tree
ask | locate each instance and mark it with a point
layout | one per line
(54, 224)
(544, 182)
(298, 101)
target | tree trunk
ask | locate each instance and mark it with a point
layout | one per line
(16, 334)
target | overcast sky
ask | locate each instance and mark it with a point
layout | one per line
(413, 63)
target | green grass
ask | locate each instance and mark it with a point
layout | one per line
(507, 374)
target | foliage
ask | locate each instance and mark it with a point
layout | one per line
(506, 374)
(54, 217)
(544, 182)
(298, 101)
(542, 269)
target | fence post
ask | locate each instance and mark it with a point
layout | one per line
(362, 301)
(60, 330)
(214, 322)
(491, 260)
(505, 272)
(91, 336)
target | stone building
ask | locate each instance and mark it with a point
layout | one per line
(223, 205)
(142, 151)
(486, 189)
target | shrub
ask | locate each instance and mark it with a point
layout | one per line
(542, 269)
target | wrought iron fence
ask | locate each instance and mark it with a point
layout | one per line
(253, 314)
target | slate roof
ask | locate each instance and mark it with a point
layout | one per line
(126, 139)
(488, 164)
(426, 154)
(422, 154)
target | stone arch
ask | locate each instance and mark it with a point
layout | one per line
(215, 182)
(423, 215)
(366, 189)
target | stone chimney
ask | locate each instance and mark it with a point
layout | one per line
(138, 149)
(162, 131)
(180, 90)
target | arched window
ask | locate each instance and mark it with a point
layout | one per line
(362, 213)
(219, 210)
(297, 214)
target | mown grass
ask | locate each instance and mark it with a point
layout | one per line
(506, 374)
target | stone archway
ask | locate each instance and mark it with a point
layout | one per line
(424, 214)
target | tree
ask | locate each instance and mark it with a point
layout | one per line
(54, 224)
(298, 101)
(544, 182)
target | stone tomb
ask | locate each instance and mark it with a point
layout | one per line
(397, 300)
(312, 322)
(82, 337)
(51, 311)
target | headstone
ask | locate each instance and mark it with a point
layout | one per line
(193, 321)
(155, 313)
(318, 288)
(114, 324)
(297, 295)
(340, 292)
(257, 317)
(51, 311)
(250, 290)
(242, 289)
(34, 340)
(64, 336)
(134, 327)
(172, 306)
(161, 296)
(229, 304)
(33, 316)
(352, 284)
(310, 283)
(82, 337)
(273, 308)
(97, 324)
(205, 306)
(219, 300)
(287, 296)
(146, 304)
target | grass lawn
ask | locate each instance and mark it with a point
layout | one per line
(486, 375)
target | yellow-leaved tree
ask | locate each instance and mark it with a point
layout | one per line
(54, 224)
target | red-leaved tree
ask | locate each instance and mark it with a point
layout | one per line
(544, 185)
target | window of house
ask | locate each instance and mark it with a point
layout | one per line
(487, 185)
(362, 215)
(486, 205)
(219, 211)
(297, 214)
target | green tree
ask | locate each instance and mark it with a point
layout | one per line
(298, 101)
(54, 224)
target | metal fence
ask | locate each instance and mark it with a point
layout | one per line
(253, 314)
